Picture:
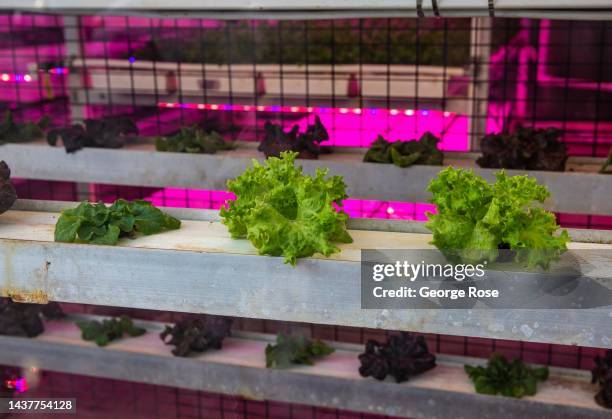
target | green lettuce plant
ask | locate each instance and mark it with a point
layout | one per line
(406, 153)
(15, 132)
(510, 379)
(193, 140)
(108, 330)
(283, 211)
(290, 350)
(476, 220)
(99, 224)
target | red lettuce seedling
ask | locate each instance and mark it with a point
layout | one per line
(526, 148)
(196, 334)
(8, 194)
(23, 319)
(602, 375)
(307, 144)
(101, 133)
(401, 357)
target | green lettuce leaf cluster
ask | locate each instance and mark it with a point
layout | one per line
(476, 220)
(15, 132)
(108, 330)
(99, 224)
(299, 350)
(193, 140)
(510, 379)
(284, 212)
(406, 153)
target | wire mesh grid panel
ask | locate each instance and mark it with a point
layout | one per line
(240, 74)
(458, 78)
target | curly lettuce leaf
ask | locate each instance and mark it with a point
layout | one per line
(476, 219)
(284, 212)
(99, 224)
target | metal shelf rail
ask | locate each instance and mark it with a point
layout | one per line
(140, 165)
(239, 369)
(214, 274)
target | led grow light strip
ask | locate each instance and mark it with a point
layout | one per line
(18, 78)
(300, 109)
(22, 77)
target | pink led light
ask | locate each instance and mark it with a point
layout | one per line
(355, 208)
(17, 78)
(19, 384)
(58, 70)
(372, 117)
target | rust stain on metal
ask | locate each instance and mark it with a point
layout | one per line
(19, 296)
(249, 394)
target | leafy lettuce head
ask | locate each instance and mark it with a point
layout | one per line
(475, 219)
(283, 211)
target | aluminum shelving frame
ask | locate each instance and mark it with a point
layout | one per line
(214, 274)
(141, 165)
(334, 381)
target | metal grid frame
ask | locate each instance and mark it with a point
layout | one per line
(70, 102)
